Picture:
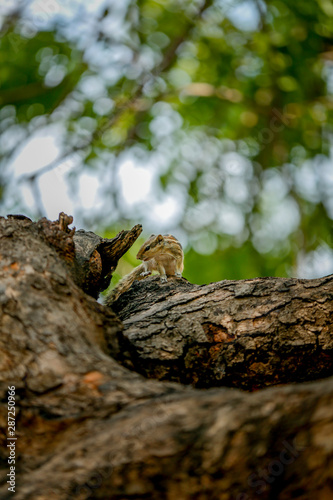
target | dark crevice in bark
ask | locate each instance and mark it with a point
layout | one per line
(88, 427)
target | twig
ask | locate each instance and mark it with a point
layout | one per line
(50, 166)
(37, 197)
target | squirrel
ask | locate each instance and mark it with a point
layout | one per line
(163, 254)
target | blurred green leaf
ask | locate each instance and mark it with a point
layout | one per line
(234, 119)
(37, 74)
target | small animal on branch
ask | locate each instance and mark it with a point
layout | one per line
(163, 254)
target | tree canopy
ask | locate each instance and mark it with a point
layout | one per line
(223, 109)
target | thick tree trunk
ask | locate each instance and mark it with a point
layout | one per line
(88, 427)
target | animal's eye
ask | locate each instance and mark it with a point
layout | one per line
(147, 247)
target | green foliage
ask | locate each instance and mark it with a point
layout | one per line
(236, 118)
(37, 74)
(232, 264)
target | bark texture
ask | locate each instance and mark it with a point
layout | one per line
(96, 258)
(87, 427)
(247, 334)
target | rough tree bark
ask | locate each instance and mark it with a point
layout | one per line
(247, 334)
(89, 426)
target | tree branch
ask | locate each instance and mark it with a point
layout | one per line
(87, 427)
(247, 333)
